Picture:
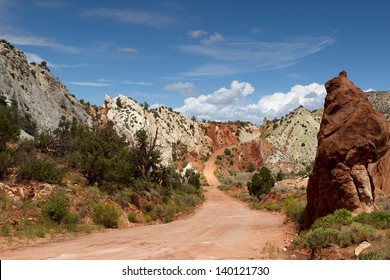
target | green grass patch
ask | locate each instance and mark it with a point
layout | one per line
(377, 219)
(272, 207)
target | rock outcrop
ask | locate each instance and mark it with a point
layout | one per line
(380, 100)
(294, 139)
(40, 97)
(352, 154)
(172, 128)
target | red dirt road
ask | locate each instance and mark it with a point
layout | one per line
(222, 228)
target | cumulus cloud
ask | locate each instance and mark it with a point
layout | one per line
(196, 33)
(219, 105)
(186, 89)
(278, 104)
(212, 39)
(230, 103)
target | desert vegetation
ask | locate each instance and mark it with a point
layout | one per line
(343, 230)
(79, 178)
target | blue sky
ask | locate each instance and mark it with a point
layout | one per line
(216, 59)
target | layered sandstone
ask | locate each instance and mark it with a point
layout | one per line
(352, 154)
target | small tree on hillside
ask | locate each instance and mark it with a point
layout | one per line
(262, 182)
(102, 155)
(145, 154)
(9, 130)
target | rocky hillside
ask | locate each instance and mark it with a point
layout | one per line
(293, 140)
(380, 100)
(175, 132)
(287, 144)
(40, 97)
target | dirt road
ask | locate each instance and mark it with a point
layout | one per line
(222, 228)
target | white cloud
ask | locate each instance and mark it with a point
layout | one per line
(128, 50)
(89, 84)
(230, 104)
(212, 39)
(243, 55)
(197, 33)
(219, 105)
(187, 88)
(278, 104)
(32, 57)
(154, 19)
(137, 83)
(26, 40)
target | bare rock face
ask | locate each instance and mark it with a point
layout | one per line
(352, 156)
(40, 97)
(128, 116)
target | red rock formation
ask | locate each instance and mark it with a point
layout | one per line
(351, 158)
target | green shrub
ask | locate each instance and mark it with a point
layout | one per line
(279, 176)
(347, 235)
(273, 207)
(5, 201)
(71, 219)
(35, 169)
(321, 237)
(5, 230)
(132, 217)
(5, 162)
(245, 197)
(379, 220)
(56, 206)
(148, 208)
(379, 254)
(336, 220)
(106, 214)
(9, 129)
(251, 168)
(262, 182)
(356, 233)
(294, 210)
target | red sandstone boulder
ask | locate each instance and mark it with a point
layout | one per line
(353, 154)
